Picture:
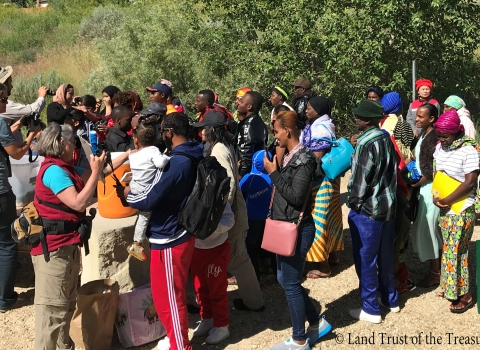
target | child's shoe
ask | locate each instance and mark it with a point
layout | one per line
(217, 335)
(137, 252)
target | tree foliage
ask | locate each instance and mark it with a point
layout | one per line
(345, 46)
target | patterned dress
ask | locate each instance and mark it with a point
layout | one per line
(460, 158)
(326, 209)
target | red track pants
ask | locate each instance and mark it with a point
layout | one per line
(168, 278)
(209, 273)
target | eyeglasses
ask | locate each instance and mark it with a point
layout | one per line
(4, 99)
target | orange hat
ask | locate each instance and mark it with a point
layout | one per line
(423, 82)
(241, 92)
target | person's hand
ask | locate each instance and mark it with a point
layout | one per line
(42, 91)
(98, 105)
(35, 129)
(270, 167)
(102, 128)
(353, 139)
(135, 121)
(438, 202)
(96, 163)
(17, 125)
(415, 133)
(81, 108)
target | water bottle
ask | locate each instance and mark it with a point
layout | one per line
(94, 141)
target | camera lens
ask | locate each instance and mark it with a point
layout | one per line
(50, 92)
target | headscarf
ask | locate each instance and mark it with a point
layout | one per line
(60, 95)
(449, 123)
(321, 105)
(392, 103)
(423, 82)
(376, 89)
(137, 104)
(242, 91)
(111, 91)
(455, 102)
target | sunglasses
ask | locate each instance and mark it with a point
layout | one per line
(4, 99)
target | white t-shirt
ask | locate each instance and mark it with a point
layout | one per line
(144, 164)
(456, 164)
(220, 235)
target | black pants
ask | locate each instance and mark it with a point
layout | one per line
(254, 245)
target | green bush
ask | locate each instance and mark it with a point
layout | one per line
(102, 23)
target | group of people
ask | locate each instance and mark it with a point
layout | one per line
(390, 186)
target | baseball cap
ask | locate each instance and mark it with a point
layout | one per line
(5, 73)
(160, 88)
(302, 82)
(213, 118)
(155, 108)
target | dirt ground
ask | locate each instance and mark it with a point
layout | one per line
(424, 322)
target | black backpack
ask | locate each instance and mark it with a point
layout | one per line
(204, 208)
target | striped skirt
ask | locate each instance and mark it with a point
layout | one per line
(327, 216)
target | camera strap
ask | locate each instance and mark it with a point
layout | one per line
(30, 156)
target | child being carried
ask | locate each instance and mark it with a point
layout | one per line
(145, 161)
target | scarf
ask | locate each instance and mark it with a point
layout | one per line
(60, 95)
(455, 102)
(449, 123)
(288, 157)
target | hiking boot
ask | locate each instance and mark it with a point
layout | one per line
(217, 335)
(137, 252)
(316, 332)
(204, 326)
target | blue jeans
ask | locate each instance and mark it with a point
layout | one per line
(8, 251)
(372, 245)
(289, 275)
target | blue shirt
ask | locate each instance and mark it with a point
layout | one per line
(57, 179)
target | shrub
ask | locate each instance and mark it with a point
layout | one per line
(25, 90)
(102, 23)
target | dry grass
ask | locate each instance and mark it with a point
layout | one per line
(74, 63)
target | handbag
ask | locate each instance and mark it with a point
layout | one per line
(280, 237)
(339, 159)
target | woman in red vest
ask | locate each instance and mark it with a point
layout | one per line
(62, 194)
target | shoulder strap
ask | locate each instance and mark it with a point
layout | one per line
(333, 136)
(300, 217)
(58, 207)
(192, 158)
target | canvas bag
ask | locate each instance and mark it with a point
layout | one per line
(92, 322)
(137, 320)
(280, 237)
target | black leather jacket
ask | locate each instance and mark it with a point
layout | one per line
(292, 187)
(251, 135)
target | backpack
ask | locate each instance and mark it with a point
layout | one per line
(204, 208)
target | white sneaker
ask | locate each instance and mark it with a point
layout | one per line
(163, 344)
(217, 335)
(361, 315)
(392, 309)
(204, 326)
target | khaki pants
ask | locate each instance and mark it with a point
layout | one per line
(241, 267)
(56, 284)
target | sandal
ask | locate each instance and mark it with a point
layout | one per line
(465, 305)
(440, 293)
(405, 286)
(314, 274)
(432, 279)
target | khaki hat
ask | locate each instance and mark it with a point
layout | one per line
(5, 73)
(303, 83)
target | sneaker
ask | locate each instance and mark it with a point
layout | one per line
(217, 335)
(289, 344)
(204, 326)
(392, 309)
(316, 332)
(361, 315)
(163, 344)
(137, 252)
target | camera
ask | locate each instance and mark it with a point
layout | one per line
(108, 158)
(50, 92)
(35, 117)
(77, 101)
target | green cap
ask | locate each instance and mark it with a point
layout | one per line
(369, 109)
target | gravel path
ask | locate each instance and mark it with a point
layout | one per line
(423, 323)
